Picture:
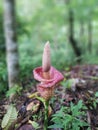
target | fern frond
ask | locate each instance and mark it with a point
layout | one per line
(9, 117)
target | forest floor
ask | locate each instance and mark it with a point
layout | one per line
(84, 87)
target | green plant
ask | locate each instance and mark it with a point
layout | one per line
(96, 100)
(3, 77)
(96, 94)
(34, 124)
(93, 101)
(70, 83)
(14, 90)
(70, 117)
(67, 83)
(9, 117)
(46, 106)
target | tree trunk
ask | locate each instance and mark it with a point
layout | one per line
(89, 36)
(11, 42)
(71, 36)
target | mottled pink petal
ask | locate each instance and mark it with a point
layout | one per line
(55, 77)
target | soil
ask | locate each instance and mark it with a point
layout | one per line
(84, 87)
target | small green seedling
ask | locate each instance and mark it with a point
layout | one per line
(14, 90)
(93, 101)
(34, 124)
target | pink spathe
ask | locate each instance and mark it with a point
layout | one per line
(55, 77)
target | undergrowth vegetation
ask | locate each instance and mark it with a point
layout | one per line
(73, 117)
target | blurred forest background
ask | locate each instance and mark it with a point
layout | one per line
(71, 26)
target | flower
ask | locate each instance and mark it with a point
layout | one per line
(55, 76)
(46, 87)
(47, 75)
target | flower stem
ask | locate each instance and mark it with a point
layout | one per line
(46, 115)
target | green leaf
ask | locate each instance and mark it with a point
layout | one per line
(56, 126)
(15, 89)
(68, 83)
(96, 94)
(35, 124)
(9, 117)
(95, 104)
